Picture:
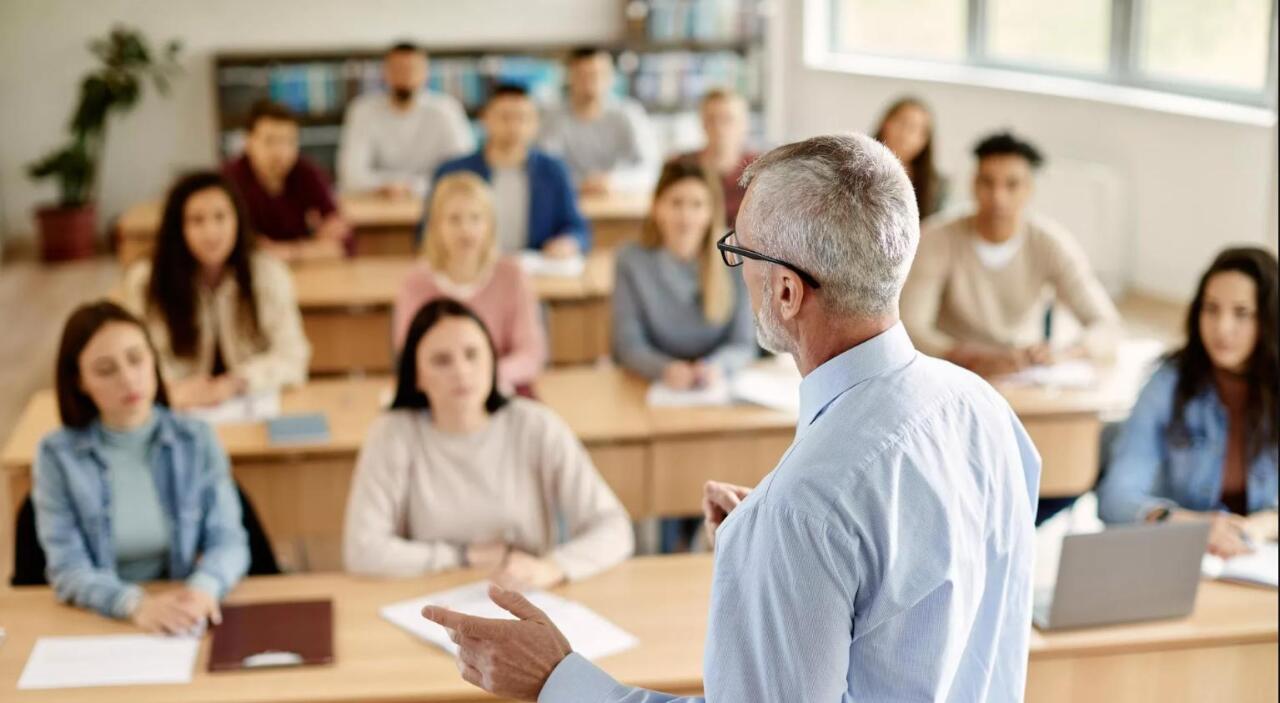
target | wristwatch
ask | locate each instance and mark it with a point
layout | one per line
(1160, 514)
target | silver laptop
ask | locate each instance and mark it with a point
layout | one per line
(1125, 574)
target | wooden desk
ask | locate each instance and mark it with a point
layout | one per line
(346, 311)
(387, 227)
(655, 459)
(1225, 651)
(663, 601)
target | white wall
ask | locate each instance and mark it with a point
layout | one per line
(43, 54)
(1190, 185)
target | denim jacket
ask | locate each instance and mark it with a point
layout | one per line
(1149, 469)
(209, 547)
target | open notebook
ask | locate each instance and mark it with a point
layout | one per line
(1259, 568)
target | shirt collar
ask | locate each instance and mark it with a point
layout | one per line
(888, 350)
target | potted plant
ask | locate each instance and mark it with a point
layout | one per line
(67, 228)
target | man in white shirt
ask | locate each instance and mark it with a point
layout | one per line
(606, 140)
(393, 142)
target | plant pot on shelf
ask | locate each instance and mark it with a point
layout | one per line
(67, 233)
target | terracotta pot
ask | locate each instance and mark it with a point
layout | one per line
(67, 233)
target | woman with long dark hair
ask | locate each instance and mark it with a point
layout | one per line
(455, 474)
(128, 492)
(1202, 441)
(907, 129)
(224, 317)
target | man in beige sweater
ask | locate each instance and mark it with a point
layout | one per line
(981, 282)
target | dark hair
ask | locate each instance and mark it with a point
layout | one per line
(75, 407)
(507, 90)
(1005, 143)
(404, 47)
(579, 53)
(269, 110)
(408, 395)
(924, 177)
(1195, 368)
(172, 290)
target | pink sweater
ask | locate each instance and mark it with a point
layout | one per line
(507, 304)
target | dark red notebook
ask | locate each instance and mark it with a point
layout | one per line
(269, 635)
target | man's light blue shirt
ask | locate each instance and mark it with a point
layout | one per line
(888, 556)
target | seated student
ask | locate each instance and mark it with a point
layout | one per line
(286, 196)
(223, 317)
(907, 129)
(606, 140)
(457, 475)
(725, 122)
(127, 491)
(976, 294)
(679, 314)
(1202, 440)
(392, 142)
(461, 261)
(537, 207)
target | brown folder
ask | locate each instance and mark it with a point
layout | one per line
(267, 635)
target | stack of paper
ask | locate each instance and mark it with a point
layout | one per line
(245, 408)
(588, 633)
(1065, 374)
(535, 264)
(661, 395)
(1258, 568)
(115, 660)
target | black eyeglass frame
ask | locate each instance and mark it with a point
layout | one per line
(726, 249)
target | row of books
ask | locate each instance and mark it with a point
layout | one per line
(697, 20)
(321, 90)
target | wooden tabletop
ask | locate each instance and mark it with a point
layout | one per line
(374, 281)
(662, 601)
(600, 404)
(371, 211)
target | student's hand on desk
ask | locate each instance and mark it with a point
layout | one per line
(718, 500)
(486, 555)
(508, 658)
(395, 191)
(333, 228)
(1262, 526)
(1227, 532)
(1038, 355)
(176, 612)
(705, 374)
(522, 572)
(561, 247)
(594, 184)
(194, 392)
(679, 375)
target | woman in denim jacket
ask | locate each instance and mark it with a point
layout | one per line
(1201, 443)
(128, 492)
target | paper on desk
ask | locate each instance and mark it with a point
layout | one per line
(661, 395)
(1076, 373)
(773, 384)
(245, 408)
(535, 264)
(114, 660)
(588, 633)
(1259, 568)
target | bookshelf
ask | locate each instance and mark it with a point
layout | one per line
(670, 53)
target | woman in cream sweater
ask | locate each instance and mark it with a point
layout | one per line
(457, 475)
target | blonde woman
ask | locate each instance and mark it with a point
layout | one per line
(461, 261)
(679, 314)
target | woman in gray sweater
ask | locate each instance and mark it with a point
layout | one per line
(680, 315)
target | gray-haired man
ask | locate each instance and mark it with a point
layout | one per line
(889, 554)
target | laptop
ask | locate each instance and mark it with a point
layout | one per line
(1125, 574)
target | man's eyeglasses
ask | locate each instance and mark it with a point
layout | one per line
(733, 255)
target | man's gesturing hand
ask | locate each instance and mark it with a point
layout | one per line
(508, 658)
(718, 500)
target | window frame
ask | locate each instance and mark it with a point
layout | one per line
(1122, 69)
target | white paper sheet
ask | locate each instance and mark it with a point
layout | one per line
(1258, 568)
(1066, 374)
(773, 384)
(661, 395)
(588, 633)
(115, 660)
(535, 264)
(245, 408)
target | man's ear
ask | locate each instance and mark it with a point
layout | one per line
(791, 292)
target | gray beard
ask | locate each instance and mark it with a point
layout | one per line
(769, 332)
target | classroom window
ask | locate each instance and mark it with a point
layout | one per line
(893, 27)
(1222, 49)
(1223, 42)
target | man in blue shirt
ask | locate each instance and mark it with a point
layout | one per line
(536, 206)
(889, 554)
